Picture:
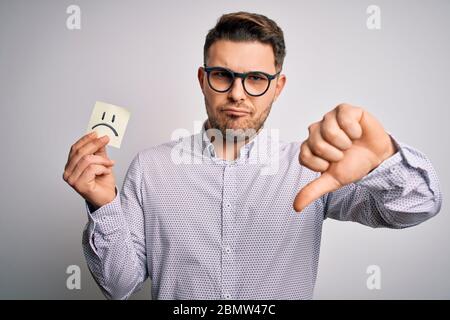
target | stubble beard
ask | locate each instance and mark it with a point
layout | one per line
(233, 128)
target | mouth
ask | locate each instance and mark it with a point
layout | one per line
(107, 125)
(236, 112)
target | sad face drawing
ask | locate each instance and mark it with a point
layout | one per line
(106, 124)
(110, 120)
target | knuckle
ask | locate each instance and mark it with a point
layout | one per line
(330, 134)
(304, 148)
(319, 147)
(345, 122)
(71, 181)
(90, 169)
(303, 158)
(78, 152)
(312, 126)
(87, 158)
(328, 116)
(304, 153)
(343, 106)
(78, 186)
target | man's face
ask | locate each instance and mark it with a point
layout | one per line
(235, 109)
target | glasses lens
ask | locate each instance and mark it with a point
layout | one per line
(256, 83)
(220, 79)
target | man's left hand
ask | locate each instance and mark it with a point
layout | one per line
(344, 146)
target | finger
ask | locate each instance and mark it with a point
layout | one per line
(89, 148)
(85, 162)
(86, 182)
(314, 190)
(81, 142)
(309, 160)
(333, 134)
(348, 118)
(320, 148)
(102, 152)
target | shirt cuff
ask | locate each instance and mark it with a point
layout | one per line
(106, 219)
(392, 172)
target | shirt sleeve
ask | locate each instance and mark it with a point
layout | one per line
(114, 239)
(401, 192)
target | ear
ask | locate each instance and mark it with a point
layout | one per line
(201, 78)
(281, 81)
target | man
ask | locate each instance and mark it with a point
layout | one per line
(219, 226)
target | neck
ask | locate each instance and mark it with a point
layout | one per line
(228, 149)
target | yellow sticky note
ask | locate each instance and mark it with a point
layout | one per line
(110, 120)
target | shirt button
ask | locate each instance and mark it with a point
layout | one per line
(228, 205)
(227, 249)
(227, 296)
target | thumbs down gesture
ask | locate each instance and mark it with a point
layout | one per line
(344, 146)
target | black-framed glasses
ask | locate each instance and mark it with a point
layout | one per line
(255, 83)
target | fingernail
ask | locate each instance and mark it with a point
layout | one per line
(93, 133)
(104, 138)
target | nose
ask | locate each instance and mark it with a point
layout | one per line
(237, 91)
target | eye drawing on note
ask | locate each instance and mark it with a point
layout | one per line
(110, 120)
(108, 125)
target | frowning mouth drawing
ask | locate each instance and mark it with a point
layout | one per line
(107, 125)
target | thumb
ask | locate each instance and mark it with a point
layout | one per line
(314, 190)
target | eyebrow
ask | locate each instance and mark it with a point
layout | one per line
(249, 70)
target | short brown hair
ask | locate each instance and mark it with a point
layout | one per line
(245, 26)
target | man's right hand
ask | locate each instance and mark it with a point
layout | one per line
(89, 170)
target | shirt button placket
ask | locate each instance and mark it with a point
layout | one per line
(228, 232)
